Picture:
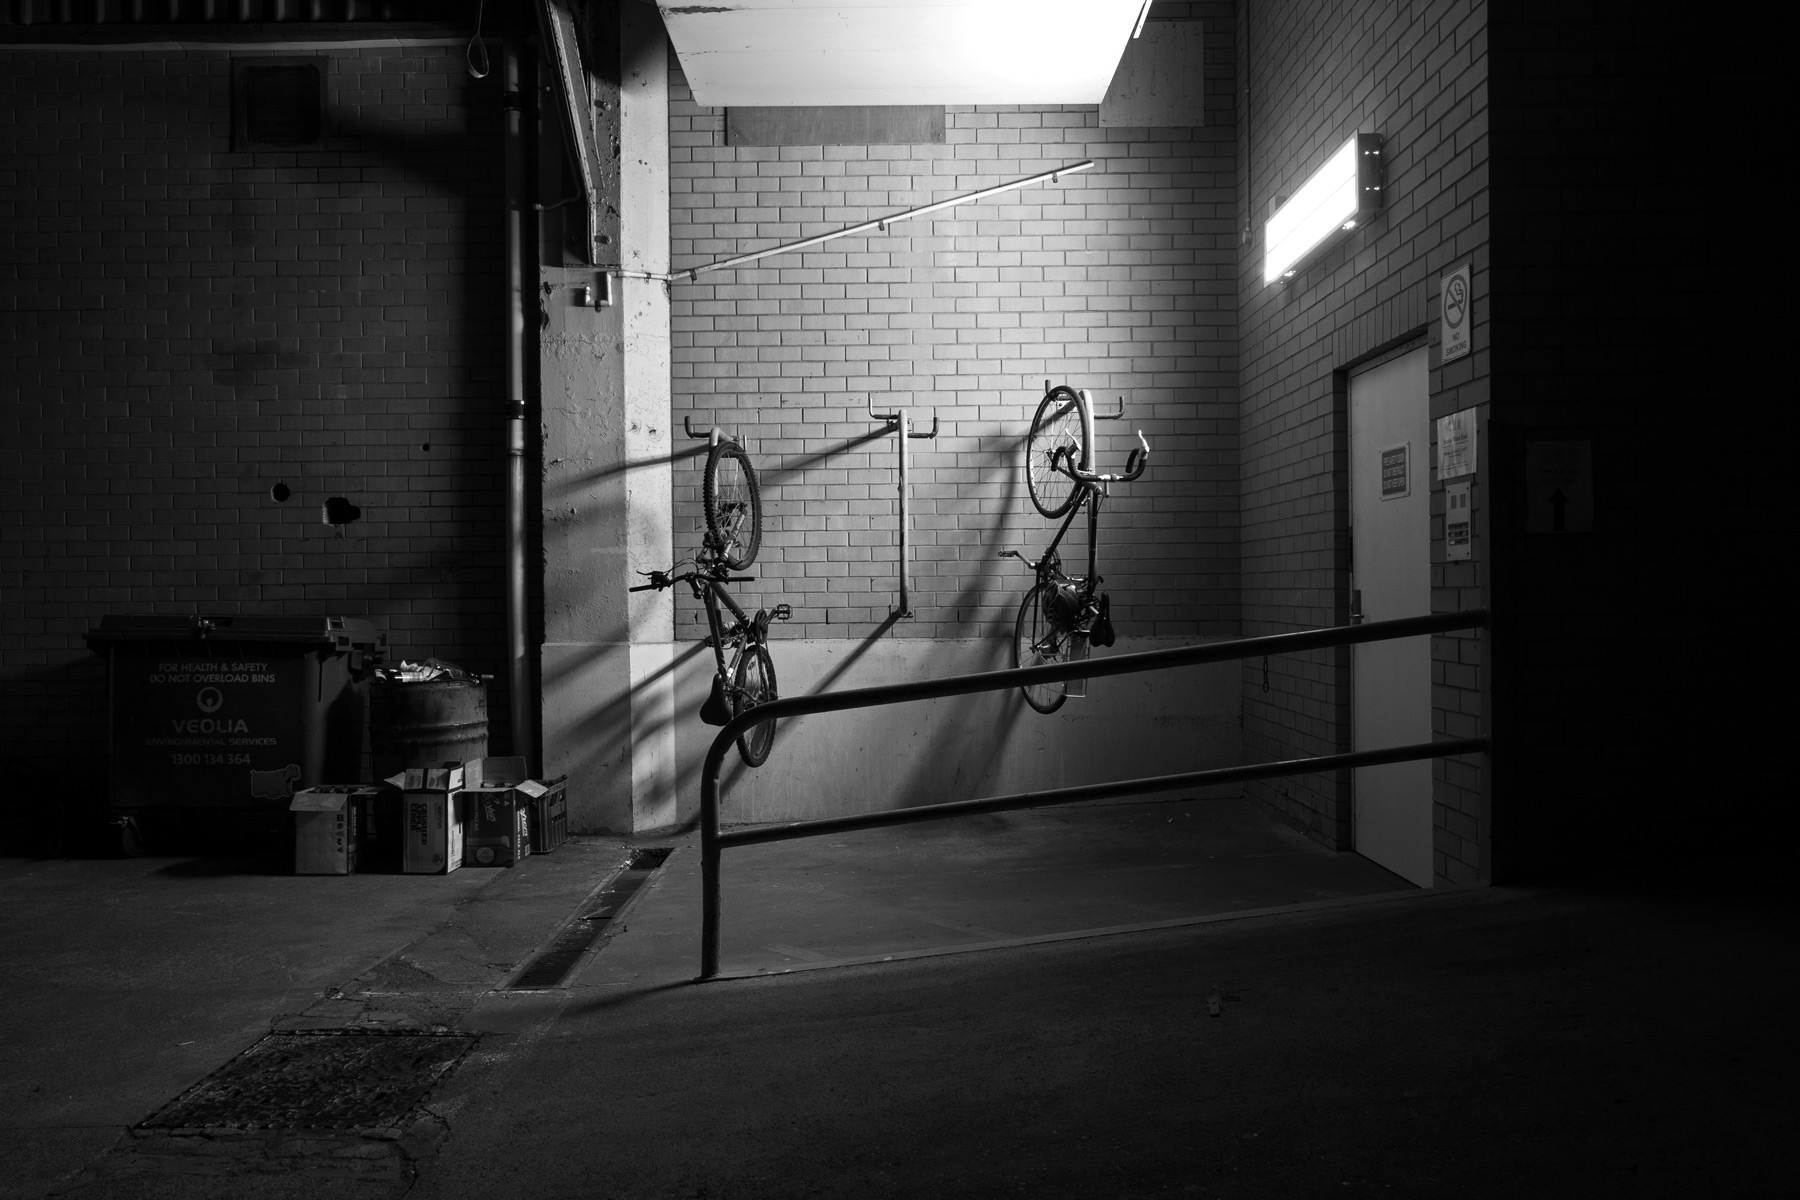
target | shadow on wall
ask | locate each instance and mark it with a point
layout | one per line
(691, 751)
(688, 766)
(791, 467)
(568, 482)
(597, 743)
(924, 752)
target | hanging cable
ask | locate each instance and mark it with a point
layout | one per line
(477, 52)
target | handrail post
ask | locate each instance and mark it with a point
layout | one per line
(905, 562)
(709, 858)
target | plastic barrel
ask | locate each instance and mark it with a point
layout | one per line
(424, 723)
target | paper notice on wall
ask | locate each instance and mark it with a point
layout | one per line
(1459, 524)
(1396, 474)
(1456, 445)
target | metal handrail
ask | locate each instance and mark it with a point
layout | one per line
(712, 842)
(880, 224)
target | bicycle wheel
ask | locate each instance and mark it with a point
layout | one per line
(1063, 423)
(733, 505)
(755, 685)
(1036, 643)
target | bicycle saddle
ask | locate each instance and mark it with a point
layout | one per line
(1102, 634)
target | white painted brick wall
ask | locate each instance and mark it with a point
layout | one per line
(1120, 279)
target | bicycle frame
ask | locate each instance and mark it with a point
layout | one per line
(1092, 495)
(746, 632)
(1093, 488)
(1064, 616)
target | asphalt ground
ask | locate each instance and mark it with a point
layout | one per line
(1283, 1022)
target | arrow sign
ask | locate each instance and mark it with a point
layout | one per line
(1559, 486)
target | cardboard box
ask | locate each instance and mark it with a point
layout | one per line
(381, 827)
(543, 807)
(445, 777)
(496, 769)
(431, 799)
(499, 826)
(499, 798)
(327, 820)
(434, 833)
(549, 814)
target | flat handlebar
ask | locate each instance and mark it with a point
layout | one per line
(659, 581)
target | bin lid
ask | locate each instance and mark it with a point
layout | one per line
(337, 633)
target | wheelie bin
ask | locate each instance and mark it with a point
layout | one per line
(232, 713)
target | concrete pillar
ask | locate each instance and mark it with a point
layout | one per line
(608, 691)
(644, 246)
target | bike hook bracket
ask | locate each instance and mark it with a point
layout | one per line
(712, 437)
(893, 419)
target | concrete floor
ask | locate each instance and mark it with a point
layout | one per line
(1361, 1039)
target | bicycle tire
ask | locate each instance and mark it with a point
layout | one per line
(755, 742)
(1036, 643)
(733, 501)
(1063, 422)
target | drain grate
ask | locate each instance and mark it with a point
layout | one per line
(326, 1079)
(554, 963)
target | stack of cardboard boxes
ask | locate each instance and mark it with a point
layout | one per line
(430, 820)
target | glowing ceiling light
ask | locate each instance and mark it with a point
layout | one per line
(1335, 199)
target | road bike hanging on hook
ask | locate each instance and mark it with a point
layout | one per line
(733, 502)
(1063, 616)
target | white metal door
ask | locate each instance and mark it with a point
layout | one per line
(1390, 527)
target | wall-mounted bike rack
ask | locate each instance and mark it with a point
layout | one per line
(897, 421)
(711, 437)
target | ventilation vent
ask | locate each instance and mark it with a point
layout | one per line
(278, 103)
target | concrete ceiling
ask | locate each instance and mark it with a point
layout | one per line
(838, 52)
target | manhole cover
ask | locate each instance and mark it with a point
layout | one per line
(335, 1079)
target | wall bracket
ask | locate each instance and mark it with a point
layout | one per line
(897, 421)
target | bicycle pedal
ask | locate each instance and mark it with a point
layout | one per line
(782, 613)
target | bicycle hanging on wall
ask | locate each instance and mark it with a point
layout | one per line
(733, 510)
(1063, 616)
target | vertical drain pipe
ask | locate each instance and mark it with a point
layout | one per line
(518, 674)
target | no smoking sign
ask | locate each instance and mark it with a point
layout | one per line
(1457, 299)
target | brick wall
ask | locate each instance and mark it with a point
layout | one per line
(1118, 279)
(1316, 73)
(185, 328)
(1641, 319)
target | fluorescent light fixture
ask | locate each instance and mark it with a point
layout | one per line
(825, 53)
(1337, 198)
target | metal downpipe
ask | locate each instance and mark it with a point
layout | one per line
(518, 661)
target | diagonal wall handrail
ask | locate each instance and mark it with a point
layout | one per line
(712, 842)
(879, 224)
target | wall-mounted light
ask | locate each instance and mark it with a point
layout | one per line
(1335, 199)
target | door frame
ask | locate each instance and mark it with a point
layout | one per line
(1342, 657)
